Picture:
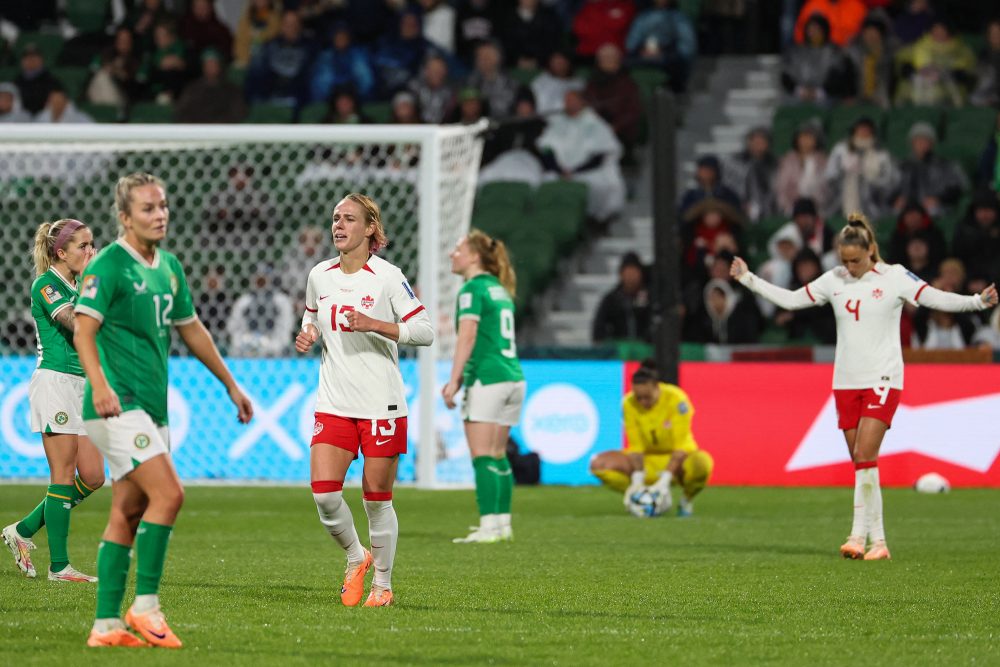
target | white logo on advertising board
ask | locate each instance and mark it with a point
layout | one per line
(560, 423)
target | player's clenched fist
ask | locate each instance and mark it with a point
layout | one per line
(306, 337)
(360, 322)
(738, 268)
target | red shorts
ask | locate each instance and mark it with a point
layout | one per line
(374, 437)
(853, 404)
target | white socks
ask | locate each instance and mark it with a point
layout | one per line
(383, 529)
(336, 516)
(867, 503)
(144, 603)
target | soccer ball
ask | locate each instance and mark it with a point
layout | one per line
(644, 503)
(932, 483)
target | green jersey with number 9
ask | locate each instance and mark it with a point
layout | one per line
(137, 303)
(494, 357)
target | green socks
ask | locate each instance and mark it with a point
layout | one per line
(31, 524)
(58, 503)
(80, 491)
(150, 553)
(112, 571)
(494, 484)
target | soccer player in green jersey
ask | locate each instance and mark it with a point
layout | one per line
(132, 294)
(55, 395)
(486, 365)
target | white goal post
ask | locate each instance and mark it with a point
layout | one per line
(261, 188)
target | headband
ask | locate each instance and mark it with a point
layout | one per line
(67, 231)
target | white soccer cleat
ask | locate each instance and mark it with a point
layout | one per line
(685, 507)
(71, 574)
(479, 536)
(21, 548)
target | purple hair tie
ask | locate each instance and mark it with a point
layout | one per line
(67, 231)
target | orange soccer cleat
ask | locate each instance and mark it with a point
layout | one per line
(379, 597)
(853, 548)
(153, 628)
(879, 551)
(116, 637)
(354, 581)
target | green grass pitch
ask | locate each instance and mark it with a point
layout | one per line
(753, 578)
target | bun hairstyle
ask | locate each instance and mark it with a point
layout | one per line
(858, 232)
(646, 373)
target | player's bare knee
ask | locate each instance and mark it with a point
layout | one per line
(93, 480)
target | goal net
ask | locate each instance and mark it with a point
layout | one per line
(251, 209)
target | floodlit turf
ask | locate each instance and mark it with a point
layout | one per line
(754, 577)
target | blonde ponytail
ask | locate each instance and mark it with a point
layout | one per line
(494, 258)
(42, 252)
(858, 232)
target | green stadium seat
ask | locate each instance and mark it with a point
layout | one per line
(87, 16)
(977, 122)
(843, 117)
(648, 79)
(49, 44)
(899, 122)
(787, 119)
(150, 112)
(377, 112)
(73, 79)
(963, 149)
(561, 194)
(523, 75)
(8, 73)
(237, 75)
(101, 113)
(270, 114)
(509, 197)
(314, 113)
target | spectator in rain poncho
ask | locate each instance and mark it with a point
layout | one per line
(262, 320)
(579, 145)
(10, 105)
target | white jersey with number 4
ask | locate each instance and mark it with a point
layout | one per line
(359, 373)
(868, 309)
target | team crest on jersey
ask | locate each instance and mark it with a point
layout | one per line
(877, 293)
(140, 288)
(464, 301)
(667, 424)
(141, 441)
(683, 407)
(367, 302)
(89, 289)
(50, 294)
(62, 418)
(173, 284)
(409, 291)
(317, 428)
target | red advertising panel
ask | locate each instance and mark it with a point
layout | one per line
(776, 424)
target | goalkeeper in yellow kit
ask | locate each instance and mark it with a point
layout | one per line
(661, 448)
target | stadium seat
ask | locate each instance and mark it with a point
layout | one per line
(978, 122)
(560, 208)
(270, 114)
(787, 119)
(843, 117)
(963, 149)
(899, 122)
(150, 112)
(101, 113)
(522, 75)
(507, 196)
(73, 79)
(87, 16)
(378, 112)
(8, 73)
(648, 79)
(50, 45)
(314, 113)
(237, 75)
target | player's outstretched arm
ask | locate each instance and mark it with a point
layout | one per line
(199, 341)
(779, 296)
(931, 297)
(106, 402)
(467, 330)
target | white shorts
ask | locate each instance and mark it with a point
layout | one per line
(128, 440)
(498, 403)
(56, 400)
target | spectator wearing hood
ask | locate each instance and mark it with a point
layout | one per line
(60, 109)
(782, 248)
(708, 184)
(977, 236)
(813, 71)
(10, 105)
(801, 169)
(939, 70)
(614, 94)
(817, 324)
(926, 177)
(491, 81)
(438, 23)
(279, 71)
(212, 98)
(860, 175)
(201, 29)
(806, 222)
(662, 36)
(871, 57)
(341, 64)
(34, 81)
(914, 222)
(728, 315)
(709, 227)
(751, 174)
(844, 18)
(625, 313)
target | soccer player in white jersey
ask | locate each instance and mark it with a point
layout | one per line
(867, 297)
(361, 306)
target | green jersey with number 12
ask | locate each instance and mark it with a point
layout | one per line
(494, 357)
(137, 303)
